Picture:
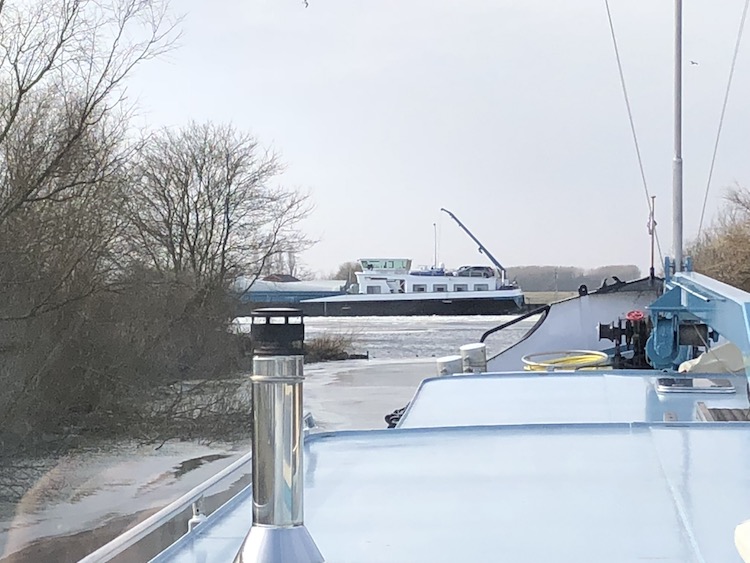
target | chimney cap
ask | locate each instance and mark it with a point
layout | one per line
(277, 331)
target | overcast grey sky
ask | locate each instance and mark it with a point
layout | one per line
(508, 113)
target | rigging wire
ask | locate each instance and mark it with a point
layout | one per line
(723, 112)
(630, 119)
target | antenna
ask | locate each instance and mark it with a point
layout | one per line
(434, 236)
(652, 232)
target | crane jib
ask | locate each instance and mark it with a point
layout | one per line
(482, 248)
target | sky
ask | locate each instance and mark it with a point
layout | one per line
(508, 113)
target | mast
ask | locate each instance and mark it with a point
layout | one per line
(677, 162)
(434, 238)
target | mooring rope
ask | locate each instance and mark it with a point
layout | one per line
(723, 111)
(630, 119)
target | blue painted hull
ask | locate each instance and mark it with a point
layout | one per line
(412, 307)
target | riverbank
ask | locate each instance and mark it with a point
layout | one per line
(61, 519)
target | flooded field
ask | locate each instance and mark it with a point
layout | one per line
(86, 498)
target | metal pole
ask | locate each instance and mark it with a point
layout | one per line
(434, 238)
(278, 533)
(652, 232)
(677, 163)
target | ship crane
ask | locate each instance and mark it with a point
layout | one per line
(482, 249)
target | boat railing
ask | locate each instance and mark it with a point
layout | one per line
(239, 469)
(164, 516)
(538, 311)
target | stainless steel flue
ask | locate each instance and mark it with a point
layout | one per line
(278, 533)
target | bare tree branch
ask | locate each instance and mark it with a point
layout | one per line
(204, 205)
(62, 66)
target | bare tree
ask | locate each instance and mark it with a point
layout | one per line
(61, 250)
(288, 263)
(203, 206)
(63, 64)
(346, 272)
(82, 337)
(63, 168)
(63, 153)
(723, 250)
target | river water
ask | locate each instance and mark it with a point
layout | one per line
(86, 498)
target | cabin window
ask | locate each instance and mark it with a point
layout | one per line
(460, 287)
(419, 288)
(475, 272)
(440, 287)
(371, 289)
(481, 287)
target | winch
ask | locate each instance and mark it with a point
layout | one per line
(630, 333)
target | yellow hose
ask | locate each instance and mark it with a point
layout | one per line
(576, 359)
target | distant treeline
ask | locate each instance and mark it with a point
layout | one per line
(568, 278)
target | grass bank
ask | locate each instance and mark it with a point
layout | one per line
(330, 347)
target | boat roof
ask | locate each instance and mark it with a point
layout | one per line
(568, 397)
(592, 487)
(292, 286)
(598, 492)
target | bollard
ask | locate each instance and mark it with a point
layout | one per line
(449, 365)
(474, 358)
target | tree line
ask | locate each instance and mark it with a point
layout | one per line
(568, 278)
(722, 251)
(117, 246)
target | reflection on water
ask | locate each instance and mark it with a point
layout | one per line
(86, 490)
(108, 486)
(195, 463)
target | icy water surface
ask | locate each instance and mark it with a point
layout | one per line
(416, 337)
(89, 497)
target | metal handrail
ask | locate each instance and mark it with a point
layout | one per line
(152, 523)
(129, 538)
(537, 311)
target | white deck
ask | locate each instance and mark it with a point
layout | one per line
(599, 487)
(610, 493)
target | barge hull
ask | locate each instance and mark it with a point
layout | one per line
(415, 307)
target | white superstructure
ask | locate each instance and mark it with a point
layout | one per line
(394, 275)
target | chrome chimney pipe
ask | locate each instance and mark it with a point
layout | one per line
(278, 533)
